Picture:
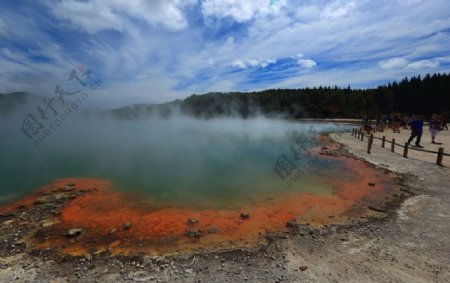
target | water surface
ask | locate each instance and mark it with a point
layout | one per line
(220, 162)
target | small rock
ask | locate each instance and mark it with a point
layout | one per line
(112, 231)
(8, 222)
(67, 189)
(212, 230)
(291, 223)
(245, 215)
(192, 221)
(302, 267)
(140, 276)
(188, 271)
(74, 232)
(47, 223)
(88, 256)
(41, 200)
(193, 233)
(126, 226)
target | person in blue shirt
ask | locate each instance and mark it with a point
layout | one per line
(416, 130)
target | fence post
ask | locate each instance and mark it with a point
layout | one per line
(383, 141)
(405, 150)
(440, 156)
(393, 145)
(359, 133)
(362, 136)
(369, 144)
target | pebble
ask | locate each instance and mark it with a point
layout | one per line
(74, 232)
(245, 215)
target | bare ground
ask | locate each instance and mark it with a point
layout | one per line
(408, 242)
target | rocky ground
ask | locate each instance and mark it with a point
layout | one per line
(408, 242)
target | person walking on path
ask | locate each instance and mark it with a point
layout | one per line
(444, 123)
(416, 130)
(435, 126)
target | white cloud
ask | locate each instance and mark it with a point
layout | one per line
(394, 63)
(307, 63)
(239, 64)
(337, 9)
(88, 16)
(148, 60)
(399, 63)
(97, 15)
(423, 64)
(252, 63)
(240, 11)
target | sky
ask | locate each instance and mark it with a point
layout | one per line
(156, 51)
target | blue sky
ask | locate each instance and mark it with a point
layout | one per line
(160, 50)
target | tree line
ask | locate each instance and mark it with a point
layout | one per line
(415, 95)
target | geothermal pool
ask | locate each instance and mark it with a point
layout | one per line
(177, 161)
(178, 185)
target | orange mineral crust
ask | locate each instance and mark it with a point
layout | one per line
(111, 221)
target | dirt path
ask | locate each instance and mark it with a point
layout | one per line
(408, 242)
(442, 139)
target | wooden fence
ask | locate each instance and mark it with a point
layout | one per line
(357, 133)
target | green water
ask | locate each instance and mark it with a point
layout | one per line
(180, 161)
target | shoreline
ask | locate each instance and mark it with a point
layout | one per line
(409, 242)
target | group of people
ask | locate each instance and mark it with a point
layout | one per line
(415, 123)
(436, 124)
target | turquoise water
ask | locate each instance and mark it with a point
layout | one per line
(176, 160)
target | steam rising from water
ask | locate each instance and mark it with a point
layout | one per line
(175, 160)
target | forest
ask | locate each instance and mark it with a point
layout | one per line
(415, 95)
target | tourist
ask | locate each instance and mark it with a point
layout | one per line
(405, 122)
(389, 121)
(416, 130)
(444, 123)
(396, 123)
(386, 121)
(380, 123)
(435, 126)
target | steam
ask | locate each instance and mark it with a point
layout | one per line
(167, 159)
